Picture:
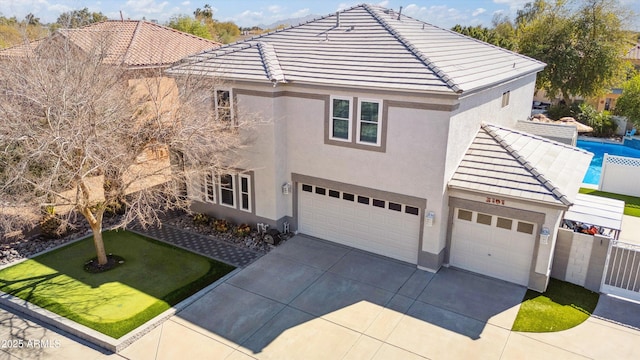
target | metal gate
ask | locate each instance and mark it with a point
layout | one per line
(622, 270)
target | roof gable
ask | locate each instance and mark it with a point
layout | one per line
(138, 43)
(517, 164)
(368, 46)
(133, 43)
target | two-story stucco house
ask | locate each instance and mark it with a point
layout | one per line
(393, 136)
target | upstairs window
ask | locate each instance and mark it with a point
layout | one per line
(356, 123)
(369, 117)
(340, 124)
(223, 106)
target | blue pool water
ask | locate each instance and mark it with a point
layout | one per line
(598, 150)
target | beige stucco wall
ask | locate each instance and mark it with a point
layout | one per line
(486, 106)
(291, 140)
(476, 108)
(413, 163)
(426, 136)
(414, 153)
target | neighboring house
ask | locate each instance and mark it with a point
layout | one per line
(140, 46)
(608, 102)
(377, 136)
(144, 49)
(135, 44)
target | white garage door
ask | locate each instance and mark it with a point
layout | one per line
(492, 245)
(376, 225)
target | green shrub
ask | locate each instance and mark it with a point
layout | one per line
(558, 111)
(243, 230)
(602, 122)
(221, 225)
(201, 219)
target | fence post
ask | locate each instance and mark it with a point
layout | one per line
(603, 171)
(605, 271)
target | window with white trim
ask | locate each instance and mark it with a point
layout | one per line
(340, 124)
(209, 188)
(245, 192)
(230, 190)
(357, 123)
(369, 118)
(223, 105)
(227, 190)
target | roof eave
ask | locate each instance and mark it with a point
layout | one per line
(561, 205)
(502, 81)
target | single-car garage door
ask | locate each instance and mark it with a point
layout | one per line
(492, 245)
(376, 225)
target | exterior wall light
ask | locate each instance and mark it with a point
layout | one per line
(286, 188)
(431, 216)
(544, 236)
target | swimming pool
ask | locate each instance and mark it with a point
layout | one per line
(599, 149)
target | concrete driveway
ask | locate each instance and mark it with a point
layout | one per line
(311, 299)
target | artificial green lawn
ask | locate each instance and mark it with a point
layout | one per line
(631, 203)
(561, 307)
(154, 277)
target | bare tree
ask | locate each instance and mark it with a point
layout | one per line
(79, 136)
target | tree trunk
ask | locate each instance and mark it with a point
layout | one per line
(95, 222)
(96, 228)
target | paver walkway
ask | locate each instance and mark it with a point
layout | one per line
(205, 245)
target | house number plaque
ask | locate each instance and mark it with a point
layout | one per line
(493, 200)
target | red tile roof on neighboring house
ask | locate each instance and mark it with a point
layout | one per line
(22, 49)
(134, 43)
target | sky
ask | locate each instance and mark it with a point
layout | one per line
(247, 13)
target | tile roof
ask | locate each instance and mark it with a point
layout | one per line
(22, 49)
(367, 46)
(513, 163)
(134, 43)
(566, 134)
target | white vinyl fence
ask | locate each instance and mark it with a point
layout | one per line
(620, 175)
(622, 271)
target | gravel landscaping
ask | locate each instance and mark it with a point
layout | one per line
(13, 249)
(16, 248)
(252, 241)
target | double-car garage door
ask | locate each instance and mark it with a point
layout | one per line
(377, 225)
(492, 245)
